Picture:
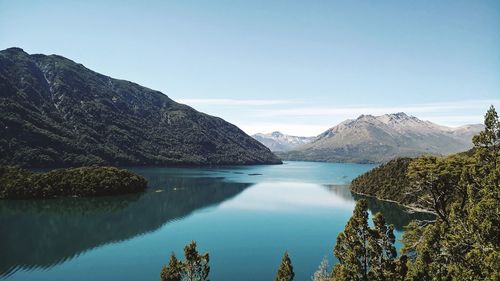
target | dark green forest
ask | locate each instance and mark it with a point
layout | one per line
(18, 183)
(387, 181)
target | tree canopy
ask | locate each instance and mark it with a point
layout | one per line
(285, 270)
(365, 253)
(194, 268)
(17, 183)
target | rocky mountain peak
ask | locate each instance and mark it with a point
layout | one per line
(376, 139)
(399, 115)
(277, 134)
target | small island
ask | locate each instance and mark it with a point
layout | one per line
(18, 183)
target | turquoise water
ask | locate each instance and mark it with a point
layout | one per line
(245, 217)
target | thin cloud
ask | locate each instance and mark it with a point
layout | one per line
(455, 120)
(235, 102)
(358, 110)
(299, 117)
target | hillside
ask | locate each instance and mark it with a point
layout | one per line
(395, 180)
(378, 139)
(277, 141)
(55, 112)
(388, 181)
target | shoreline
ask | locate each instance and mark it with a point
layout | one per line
(411, 208)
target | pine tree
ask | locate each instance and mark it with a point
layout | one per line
(366, 253)
(352, 248)
(194, 268)
(382, 250)
(487, 150)
(173, 271)
(285, 271)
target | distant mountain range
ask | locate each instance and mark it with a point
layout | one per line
(277, 141)
(55, 112)
(376, 139)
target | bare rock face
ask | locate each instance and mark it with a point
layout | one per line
(277, 141)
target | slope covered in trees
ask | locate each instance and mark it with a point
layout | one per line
(388, 181)
(409, 181)
(57, 113)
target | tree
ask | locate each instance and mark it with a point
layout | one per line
(436, 179)
(196, 265)
(365, 253)
(322, 274)
(464, 242)
(285, 271)
(487, 149)
(173, 271)
(194, 268)
(473, 240)
(429, 262)
(352, 246)
(382, 250)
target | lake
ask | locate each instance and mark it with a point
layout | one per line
(245, 217)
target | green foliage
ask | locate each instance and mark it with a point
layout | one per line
(285, 270)
(366, 253)
(352, 249)
(387, 181)
(172, 271)
(429, 263)
(194, 268)
(463, 243)
(382, 250)
(436, 180)
(17, 183)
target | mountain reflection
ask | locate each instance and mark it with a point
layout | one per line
(43, 233)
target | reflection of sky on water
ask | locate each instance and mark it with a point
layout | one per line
(287, 197)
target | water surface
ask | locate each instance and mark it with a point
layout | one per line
(245, 217)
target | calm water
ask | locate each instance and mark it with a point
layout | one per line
(245, 217)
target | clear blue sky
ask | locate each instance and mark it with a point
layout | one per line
(295, 66)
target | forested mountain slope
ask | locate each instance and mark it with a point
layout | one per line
(55, 112)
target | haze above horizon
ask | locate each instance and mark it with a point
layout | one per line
(287, 66)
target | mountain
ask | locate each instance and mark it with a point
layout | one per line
(55, 112)
(277, 141)
(377, 139)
